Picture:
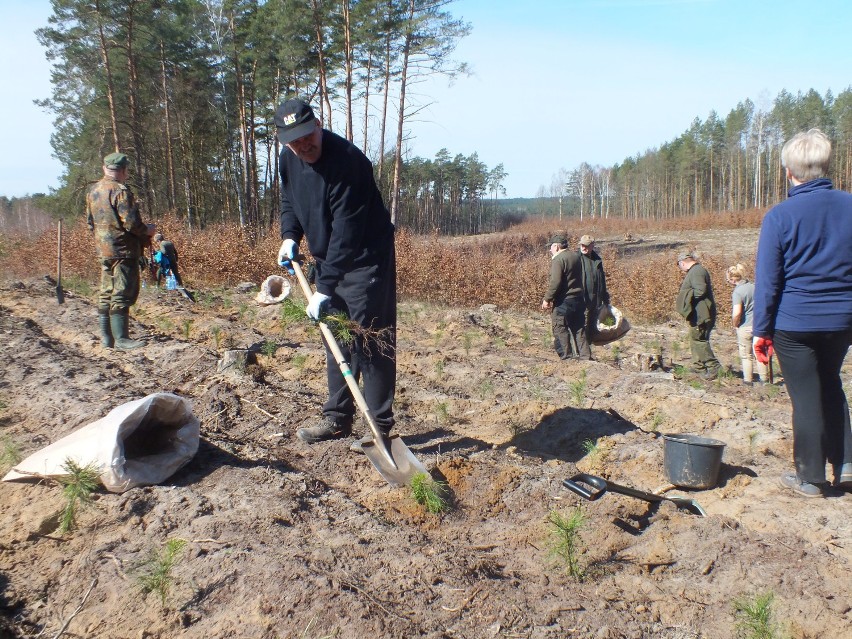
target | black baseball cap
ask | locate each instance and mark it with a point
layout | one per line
(294, 119)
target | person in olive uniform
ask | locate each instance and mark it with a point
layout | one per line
(120, 234)
(696, 305)
(564, 297)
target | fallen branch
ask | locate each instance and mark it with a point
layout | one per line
(347, 584)
(76, 612)
(465, 602)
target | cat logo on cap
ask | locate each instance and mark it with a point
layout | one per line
(289, 119)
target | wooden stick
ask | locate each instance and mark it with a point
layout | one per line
(76, 612)
(60, 294)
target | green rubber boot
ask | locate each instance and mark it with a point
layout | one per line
(106, 330)
(118, 321)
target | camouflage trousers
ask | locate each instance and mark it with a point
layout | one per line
(119, 284)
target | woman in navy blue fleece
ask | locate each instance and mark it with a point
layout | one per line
(803, 309)
(329, 196)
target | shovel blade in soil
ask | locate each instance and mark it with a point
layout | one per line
(407, 465)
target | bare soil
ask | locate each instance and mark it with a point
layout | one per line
(290, 540)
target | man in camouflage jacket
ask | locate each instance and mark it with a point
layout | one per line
(120, 234)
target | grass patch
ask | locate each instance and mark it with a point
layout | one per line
(753, 616)
(10, 454)
(430, 493)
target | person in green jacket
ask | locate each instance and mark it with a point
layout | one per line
(564, 297)
(696, 305)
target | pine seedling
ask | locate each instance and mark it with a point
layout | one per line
(752, 440)
(578, 388)
(615, 353)
(442, 410)
(187, 328)
(754, 617)
(429, 493)
(439, 367)
(269, 348)
(565, 540)
(299, 360)
(156, 572)
(592, 450)
(78, 486)
(216, 332)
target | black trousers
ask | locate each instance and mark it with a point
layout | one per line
(810, 363)
(366, 295)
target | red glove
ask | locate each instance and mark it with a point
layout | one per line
(763, 349)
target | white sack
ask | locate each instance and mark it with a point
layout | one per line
(274, 290)
(605, 334)
(139, 443)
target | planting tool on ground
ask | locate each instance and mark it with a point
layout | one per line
(598, 486)
(389, 455)
(60, 294)
(771, 376)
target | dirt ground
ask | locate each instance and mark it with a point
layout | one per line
(290, 540)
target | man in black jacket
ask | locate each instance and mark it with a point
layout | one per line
(594, 293)
(329, 196)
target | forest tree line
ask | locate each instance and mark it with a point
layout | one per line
(188, 89)
(719, 164)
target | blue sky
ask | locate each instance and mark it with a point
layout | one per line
(555, 82)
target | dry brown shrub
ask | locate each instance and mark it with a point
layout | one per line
(508, 269)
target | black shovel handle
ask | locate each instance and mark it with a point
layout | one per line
(601, 486)
(575, 485)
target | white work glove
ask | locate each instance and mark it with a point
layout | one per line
(286, 254)
(316, 305)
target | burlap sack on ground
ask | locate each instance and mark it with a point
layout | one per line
(274, 290)
(139, 443)
(604, 334)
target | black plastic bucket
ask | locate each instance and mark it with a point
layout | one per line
(691, 461)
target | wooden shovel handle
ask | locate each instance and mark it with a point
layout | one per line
(378, 438)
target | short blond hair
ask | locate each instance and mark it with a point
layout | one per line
(737, 272)
(807, 155)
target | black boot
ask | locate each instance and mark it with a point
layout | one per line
(358, 445)
(326, 429)
(106, 330)
(118, 321)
